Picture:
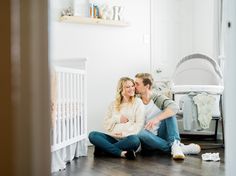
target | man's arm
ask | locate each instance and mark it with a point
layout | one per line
(168, 107)
(163, 102)
(168, 112)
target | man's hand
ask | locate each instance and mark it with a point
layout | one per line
(151, 123)
(123, 119)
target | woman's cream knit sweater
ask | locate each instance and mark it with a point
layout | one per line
(134, 112)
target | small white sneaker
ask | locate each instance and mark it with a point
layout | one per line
(176, 151)
(190, 148)
(211, 157)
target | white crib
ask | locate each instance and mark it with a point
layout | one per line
(69, 132)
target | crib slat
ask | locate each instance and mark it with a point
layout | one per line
(74, 98)
(69, 104)
(67, 107)
(84, 107)
(83, 99)
(63, 108)
(78, 104)
(59, 119)
(81, 106)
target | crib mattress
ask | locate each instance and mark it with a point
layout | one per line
(214, 89)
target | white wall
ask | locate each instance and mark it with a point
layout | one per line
(181, 28)
(112, 52)
(230, 85)
(178, 28)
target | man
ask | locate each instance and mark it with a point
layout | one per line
(160, 129)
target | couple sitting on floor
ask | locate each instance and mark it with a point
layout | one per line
(147, 123)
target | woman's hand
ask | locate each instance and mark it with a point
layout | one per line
(151, 123)
(117, 134)
(123, 119)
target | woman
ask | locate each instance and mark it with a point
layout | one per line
(124, 119)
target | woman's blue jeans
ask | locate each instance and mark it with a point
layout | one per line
(112, 145)
(167, 133)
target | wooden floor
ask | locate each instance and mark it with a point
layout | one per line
(157, 164)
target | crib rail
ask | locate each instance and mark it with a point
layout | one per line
(70, 123)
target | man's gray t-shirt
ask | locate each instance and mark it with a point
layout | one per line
(151, 111)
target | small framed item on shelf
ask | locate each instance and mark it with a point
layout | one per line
(81, 8)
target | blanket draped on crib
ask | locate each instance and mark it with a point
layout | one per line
(197, 110)
(53, 104)
(205, 104)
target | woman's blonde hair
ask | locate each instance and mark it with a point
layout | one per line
(119, 90)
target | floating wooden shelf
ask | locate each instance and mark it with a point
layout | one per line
(87, 20)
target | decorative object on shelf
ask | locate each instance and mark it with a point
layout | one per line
(81, 8)
(95, 11)
(67, 12)
(118, 13)
(91, 14)
(105, 12)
